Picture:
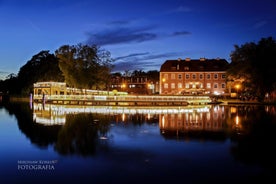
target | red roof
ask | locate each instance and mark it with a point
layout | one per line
(194, 65)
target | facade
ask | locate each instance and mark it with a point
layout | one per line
(133, 84)
(193, 76)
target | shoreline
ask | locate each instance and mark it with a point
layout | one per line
(218, 102)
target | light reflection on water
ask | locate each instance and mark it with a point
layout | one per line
(199, 143)
(49, 114)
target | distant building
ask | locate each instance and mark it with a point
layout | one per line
(132, 84)
(193, 76)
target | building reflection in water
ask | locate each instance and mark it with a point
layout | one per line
(52, 114)
(196, 123)
(173, 121)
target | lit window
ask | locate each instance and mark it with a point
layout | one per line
(187, 85)
(172, 85)
(208, 85)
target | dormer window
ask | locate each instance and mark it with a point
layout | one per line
(186, 68)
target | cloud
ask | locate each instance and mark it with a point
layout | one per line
(142, 61)
(131, 56)
(180, 33)
(127, 35)
(122, 32)
(121, 35)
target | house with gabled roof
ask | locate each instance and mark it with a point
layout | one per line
(193, 76)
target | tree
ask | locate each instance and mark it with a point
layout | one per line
(42, 67)
(84, 66)
(9, 85)
(253, 64)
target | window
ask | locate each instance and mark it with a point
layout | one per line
(208, 76)
(179, 85)
(172, 85)
(215, 85)
(201, 86)
(194, 76)
(173, 76)
(208, 85)
(200, 76)
(166, 85)
(187, 85)
(187, 76)
(186, 68)
(179, 76)
(166, 76)
(215, 76)
(223, 85)
(223, 76)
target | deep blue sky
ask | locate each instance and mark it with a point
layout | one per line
(140, 34)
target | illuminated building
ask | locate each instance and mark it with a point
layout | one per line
(193, 76)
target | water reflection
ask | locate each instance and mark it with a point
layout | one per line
(50, 114)
(210, 123)
(84, 130)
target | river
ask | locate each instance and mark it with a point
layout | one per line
(99, 144)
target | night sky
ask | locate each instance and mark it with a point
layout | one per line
(139, 34)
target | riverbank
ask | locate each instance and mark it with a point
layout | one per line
(219, 101)
(243, 102)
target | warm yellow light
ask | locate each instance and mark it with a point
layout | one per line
(238, 86)
(237, 120)
(163, 80)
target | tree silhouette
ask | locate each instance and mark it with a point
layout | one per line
(253, 64)
(83, 66)
(42, 67)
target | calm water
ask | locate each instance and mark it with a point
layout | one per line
(74, 144)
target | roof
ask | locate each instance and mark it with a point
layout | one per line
(194, 65)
